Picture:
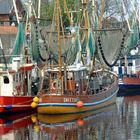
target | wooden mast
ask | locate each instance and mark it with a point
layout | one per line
(59, 43)
(59, 40)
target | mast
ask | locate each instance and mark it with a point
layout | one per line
(139, 17)
(39, 4)
(58, 24)
(59, 40)
(15, 7)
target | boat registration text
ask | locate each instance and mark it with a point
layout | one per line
(70, 100)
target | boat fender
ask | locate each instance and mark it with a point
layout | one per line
(34, 105)
(80, 104)
(36, 99)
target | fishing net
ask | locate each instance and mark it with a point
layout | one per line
(19, 42)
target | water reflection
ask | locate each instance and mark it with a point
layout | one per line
(86, 126)
(129, 119)
(16, 126)
(120, 121)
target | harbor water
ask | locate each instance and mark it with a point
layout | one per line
(120, 121)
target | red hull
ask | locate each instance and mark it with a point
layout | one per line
(15, 103)
(131, 80)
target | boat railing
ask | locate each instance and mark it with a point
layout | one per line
(77, 91)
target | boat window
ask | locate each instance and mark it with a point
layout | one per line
(17, 77)
(14, 78)
(6, 79)
(20, 77)
(77, 75)
(130, 64)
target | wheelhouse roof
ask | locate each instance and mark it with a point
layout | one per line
(72, 68)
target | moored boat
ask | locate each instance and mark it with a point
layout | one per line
(16, 81)
(80, 94)
(15, 90)
(73, 79)
(129, 76)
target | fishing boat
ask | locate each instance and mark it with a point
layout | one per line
(74, 79)
(127, 66)
(17, 88)
(129, 76)
(16, 82)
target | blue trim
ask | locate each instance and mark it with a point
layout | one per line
(129, 86)
(74, 104)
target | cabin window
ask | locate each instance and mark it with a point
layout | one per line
(20, 77)
(130, 64)
(77, 75)
(5, 79)
(14, 78)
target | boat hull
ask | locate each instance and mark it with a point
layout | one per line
(66, 105)
(15, 103)
(56, 119)
(129, 84)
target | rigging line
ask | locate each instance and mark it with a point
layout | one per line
(125, 13)
(134, 8)
(50, 35)
(67, 11)
(122, 13)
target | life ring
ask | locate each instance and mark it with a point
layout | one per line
(53, 85)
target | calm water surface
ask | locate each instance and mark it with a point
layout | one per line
(120, 121)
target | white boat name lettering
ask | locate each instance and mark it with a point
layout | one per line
(70, 99)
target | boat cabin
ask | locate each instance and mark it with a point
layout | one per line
(71, 79)
(16, 80)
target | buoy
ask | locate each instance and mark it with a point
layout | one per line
(36, 99)
(34, 118)
(80, 122)
(33, 105)
(80, 104)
